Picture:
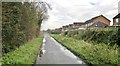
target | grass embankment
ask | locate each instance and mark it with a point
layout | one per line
(25, 54)
(91, 53)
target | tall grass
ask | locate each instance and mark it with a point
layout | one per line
(91, 53)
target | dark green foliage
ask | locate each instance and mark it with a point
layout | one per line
(65, 33)
(20, 24)
(107, 35)
(10, 33)
(72, 33)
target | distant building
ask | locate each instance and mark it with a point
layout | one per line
(98, 21)
(116, 20)
(65, 28)
(70, 27)
(56, 31)
(77, 25)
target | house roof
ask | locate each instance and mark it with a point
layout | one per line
(117, 16)
(64, 26)
(78, 22)
(70, 24)
(67, 25)
(88, 21)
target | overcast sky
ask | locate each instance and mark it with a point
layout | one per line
(68, 11)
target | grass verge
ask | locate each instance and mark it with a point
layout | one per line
(25, 54)
(91, 53)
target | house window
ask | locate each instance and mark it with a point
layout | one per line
(100, 24)
(116, 20)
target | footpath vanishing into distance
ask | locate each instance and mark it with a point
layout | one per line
(55, 53)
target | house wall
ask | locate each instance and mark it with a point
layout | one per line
(76, 26)
(64, 28)
(70, 27)
(102, 19)
(83, 25)
(115, 22)
(99, 19)
(119, 21)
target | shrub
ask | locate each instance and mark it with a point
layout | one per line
(106, 35)
(65, 33)
(72, 33)
(21, 23)
(25, 54)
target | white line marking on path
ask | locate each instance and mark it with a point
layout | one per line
(43, 51)
(44, 40)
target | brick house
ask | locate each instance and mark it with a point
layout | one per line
(77, 25)
(84, 25)
(70, 26)
(65, 28)
(98, 21)
(55, 31)
(116, 20)
(60, 29)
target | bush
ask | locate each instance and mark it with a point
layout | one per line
(70, 33)
(65, 33)
(106, 35)
(20, 23)
(25, 54)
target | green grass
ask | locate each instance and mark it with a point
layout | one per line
(25, 54)
(91, 53)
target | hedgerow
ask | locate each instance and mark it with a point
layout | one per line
(95, 46)
(21, 23)
(25, 54)
(106, 35)
(91, 53)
